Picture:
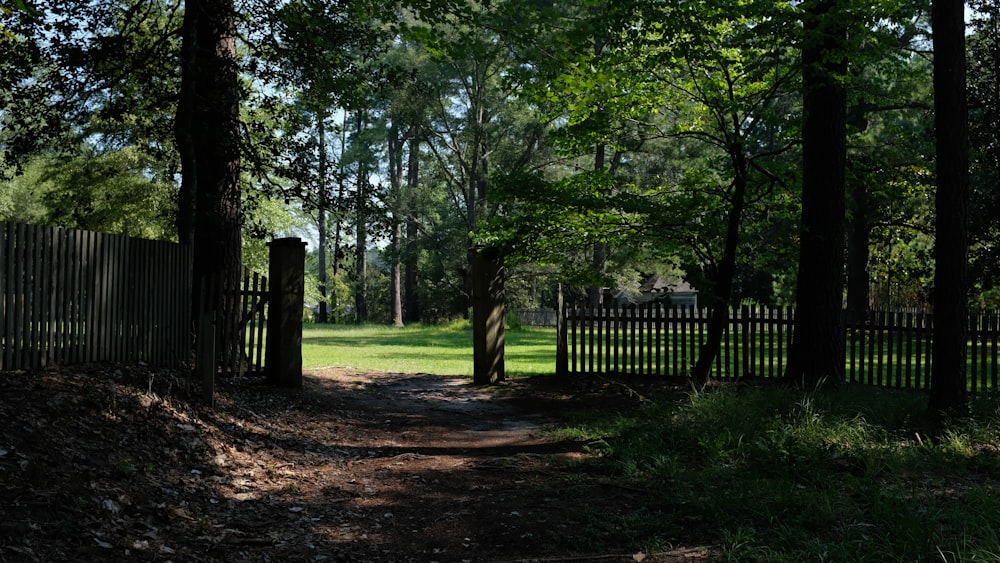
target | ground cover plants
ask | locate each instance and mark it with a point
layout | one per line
(784, 475)
(120, 463)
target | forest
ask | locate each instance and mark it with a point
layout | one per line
(449, 157)
(459, 159)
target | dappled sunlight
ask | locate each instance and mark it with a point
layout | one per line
(421, 349)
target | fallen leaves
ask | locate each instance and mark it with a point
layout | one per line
(103, 463)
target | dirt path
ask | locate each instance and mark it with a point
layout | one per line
(357, 467)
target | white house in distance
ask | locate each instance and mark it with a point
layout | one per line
(657, 288)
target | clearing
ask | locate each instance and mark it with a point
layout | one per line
(105, 463)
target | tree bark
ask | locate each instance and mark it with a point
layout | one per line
(722, 281)
(412, 307)
(208, 128)
(396, 225)
(948, 395)
(187, 101)
(321, 207)
(361, 231)
(486, 277)
(817, 353)
(488, 315)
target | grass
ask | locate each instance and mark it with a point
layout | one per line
(848, 475)
(438, 350)
(766, 474)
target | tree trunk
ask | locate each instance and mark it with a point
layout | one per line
(412, 308)
(338, 254)
(722, 289)
(321, 207)
(396, 225)
(209, 126)
(817, 353)
(486, 275)
(948, 395)
(361, 231)
(361, 268)
(488, 315)
(187, 102)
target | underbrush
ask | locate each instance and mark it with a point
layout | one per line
(775, 474)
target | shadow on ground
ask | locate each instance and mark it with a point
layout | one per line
(355, 467)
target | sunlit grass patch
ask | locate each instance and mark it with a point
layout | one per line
(844, 475)
(431, 349)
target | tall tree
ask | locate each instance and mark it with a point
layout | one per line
(951, 247)
(984, 123)
(396, 144)
(208, 137)
(411, 308)
(734, 69)
(817, 352)
(473, 137)
(311, 53)
(691, 101)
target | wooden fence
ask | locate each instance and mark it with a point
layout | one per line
(890, 349)
(70, 297)
(253, 297)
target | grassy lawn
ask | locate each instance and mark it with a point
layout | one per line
(439, 350)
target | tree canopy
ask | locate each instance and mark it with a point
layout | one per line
(586, 143)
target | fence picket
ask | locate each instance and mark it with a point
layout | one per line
(659, 338)
(994, 330)
(20, 331)
(5, 312)
(605, 351)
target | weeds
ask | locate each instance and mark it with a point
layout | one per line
(775, 474)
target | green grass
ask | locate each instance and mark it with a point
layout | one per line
(439, 350)
(780, 475)
(766, 474)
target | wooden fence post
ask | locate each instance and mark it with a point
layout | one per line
(286, 276)
(562, 353)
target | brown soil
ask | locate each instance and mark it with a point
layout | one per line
(111, 464)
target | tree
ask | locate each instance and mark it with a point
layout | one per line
(107, 192)
(710, 76)
(208, 138)
(475, 136)
(951, 248)
(817, 352)
(313, 56)
(887, 173)
(984, 122)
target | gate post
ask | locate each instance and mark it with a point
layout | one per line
(286, 276)
(562, 348)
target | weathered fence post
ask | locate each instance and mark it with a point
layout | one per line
(562, 354)
(286, 276)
